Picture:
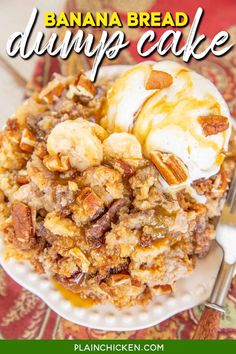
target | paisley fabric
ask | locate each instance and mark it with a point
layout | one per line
(22, 314)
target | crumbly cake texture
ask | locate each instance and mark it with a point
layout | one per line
(87, 208)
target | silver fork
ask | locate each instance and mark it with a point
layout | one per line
(208, 325)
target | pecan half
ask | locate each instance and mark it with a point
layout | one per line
(158, 80)
(171, 168)
(213, 124)
(23, 225)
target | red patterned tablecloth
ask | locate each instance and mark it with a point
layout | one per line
(22, 314)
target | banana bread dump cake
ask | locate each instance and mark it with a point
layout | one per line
(89, 207)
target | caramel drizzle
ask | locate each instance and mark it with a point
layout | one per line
(174, 113)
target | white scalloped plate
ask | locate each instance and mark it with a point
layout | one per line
(190, 291)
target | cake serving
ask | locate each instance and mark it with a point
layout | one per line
(113, 189)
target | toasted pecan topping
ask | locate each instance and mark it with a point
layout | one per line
(203, 186)
(158, 80)
(221, 181)
(54, 89)
(87, 85)
(23, 225)
(123, 167)
(107, 231)
(56, 163)
(90, 201)
(73, 186)
(82, 260)
(162, 289)
(12, 125)
(83, 88)
(96, 232)
(213, 124)
(22, 179)
(120, 279)
(2, 197)
(41, 150)
(171, 168)
(27, 141)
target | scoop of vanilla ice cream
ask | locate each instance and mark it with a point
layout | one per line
(78, 139)
(167, 119)
(125, 97)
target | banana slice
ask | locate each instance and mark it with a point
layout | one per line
(78, 139)
(122, 146)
